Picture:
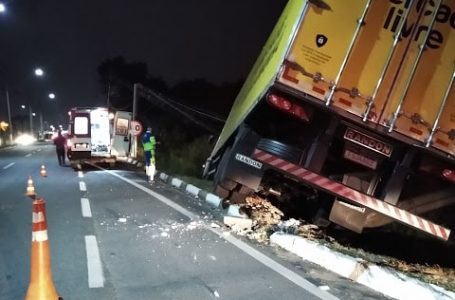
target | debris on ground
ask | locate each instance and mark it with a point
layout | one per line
(268, 219)
(238, 224)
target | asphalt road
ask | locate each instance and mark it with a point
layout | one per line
(113, 236)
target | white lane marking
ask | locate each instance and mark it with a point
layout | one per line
(94, 267)
(8, 166)
(82, 186)
(38, 150)
(86, 211)
(80, 174)
(265, 260)
(275, 266)
(28, 155)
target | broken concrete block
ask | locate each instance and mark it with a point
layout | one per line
(237, 223)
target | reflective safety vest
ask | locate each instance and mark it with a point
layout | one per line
(149, 142)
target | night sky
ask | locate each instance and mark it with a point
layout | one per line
(186, 39)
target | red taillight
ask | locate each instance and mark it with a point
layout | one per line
(289, 107)
(280, 102)
(449, 175)
(300, 113)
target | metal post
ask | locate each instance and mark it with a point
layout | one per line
(135, 87)
(134, 138)
(41, 122)
(108, 94)
(31, 119)
(9, 117)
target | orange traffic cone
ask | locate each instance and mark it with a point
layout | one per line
(43, 171)
(30, 191)
(41, 286)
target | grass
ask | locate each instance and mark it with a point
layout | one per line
(206, 185)
(183, 159)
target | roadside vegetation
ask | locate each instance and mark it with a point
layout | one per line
(183, 156)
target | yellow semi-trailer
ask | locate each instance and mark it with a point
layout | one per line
(348, 115)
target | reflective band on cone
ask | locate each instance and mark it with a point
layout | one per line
(39, 236)
(43, 171)
(30, 191)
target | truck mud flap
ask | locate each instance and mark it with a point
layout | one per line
(351, 195)
(287, 152)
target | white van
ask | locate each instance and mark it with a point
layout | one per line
(97, 135)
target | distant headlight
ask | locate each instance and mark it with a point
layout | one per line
(25, 139)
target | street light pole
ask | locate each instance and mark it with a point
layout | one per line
(9, 117)
(41, 122)
(31, 119)
(133, 152)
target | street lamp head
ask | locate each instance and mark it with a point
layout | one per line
(23, 106)
(39, 72)
(34, 114)
(52, 96)
(2, 8)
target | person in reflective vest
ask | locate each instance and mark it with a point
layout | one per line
(149, 144)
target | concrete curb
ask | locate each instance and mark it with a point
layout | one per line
(211, 199)
(382, 279)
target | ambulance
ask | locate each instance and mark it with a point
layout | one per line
(97, 135)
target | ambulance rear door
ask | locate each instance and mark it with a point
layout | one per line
(79, 142)
(121, 136)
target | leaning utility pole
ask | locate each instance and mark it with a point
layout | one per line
(9, 117)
